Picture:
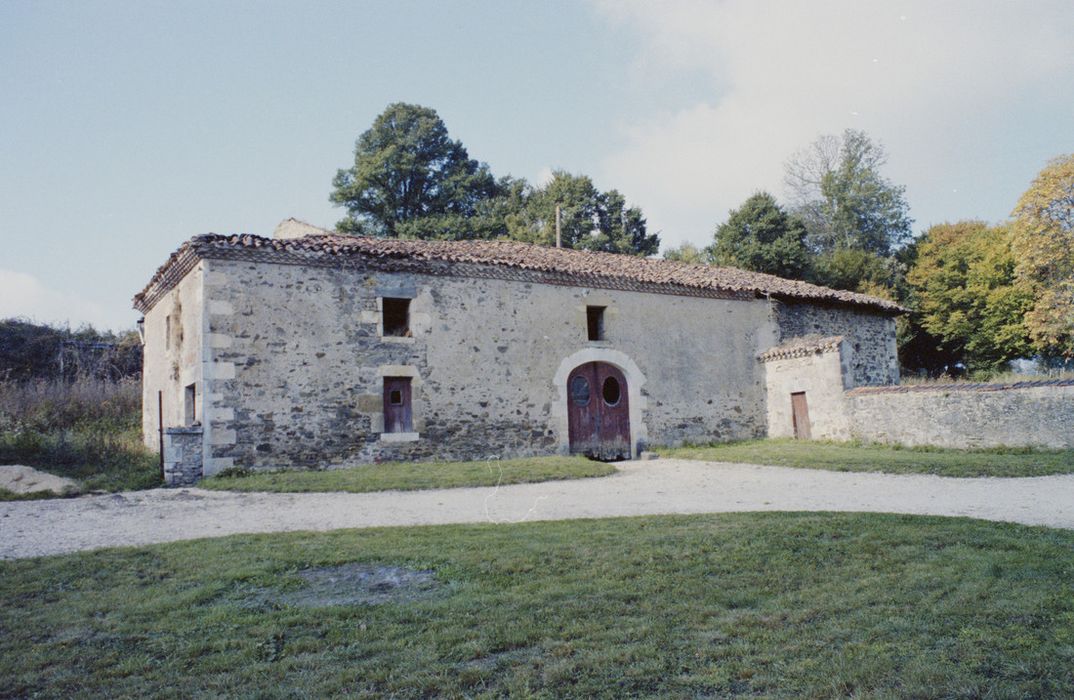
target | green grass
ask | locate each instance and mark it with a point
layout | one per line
(852, 457)
(410, 476)
(773, 605)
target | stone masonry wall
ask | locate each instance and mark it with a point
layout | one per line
(173, 356)
(182, 455)
(870, 338)
(961, 417)
(295, 362)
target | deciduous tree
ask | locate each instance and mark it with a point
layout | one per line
(965, 293)
(1043, 246)
(762, 237)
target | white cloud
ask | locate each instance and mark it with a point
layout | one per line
(24, 296)
(544, 176)
(935, 82)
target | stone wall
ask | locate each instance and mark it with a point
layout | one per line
(1031, 414)
(870, 337)
(295, 363)
(173, 355)
(182, 455)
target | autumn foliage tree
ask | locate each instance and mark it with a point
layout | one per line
(1043, 246)
(965, 294)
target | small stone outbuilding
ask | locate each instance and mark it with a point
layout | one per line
(315, 349)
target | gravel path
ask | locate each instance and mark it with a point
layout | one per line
(33, 528)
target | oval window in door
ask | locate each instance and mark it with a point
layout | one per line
(611, 391)
(580, 391)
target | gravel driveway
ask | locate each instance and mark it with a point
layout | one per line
(33, 528)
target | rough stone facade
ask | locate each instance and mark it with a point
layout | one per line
(1027, 415)
(182, 455)
(284, 362)
(870, 338)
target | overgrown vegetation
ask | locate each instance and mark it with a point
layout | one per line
(409, 476)
(854, 457)
(772, 605)
(39, 351)
(86, 429)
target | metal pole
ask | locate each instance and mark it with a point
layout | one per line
(559, 238)
(160, 429)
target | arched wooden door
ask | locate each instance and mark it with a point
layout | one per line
(598, 413)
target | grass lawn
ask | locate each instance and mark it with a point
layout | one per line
(850, 457)
(778, 605)
(410, 476)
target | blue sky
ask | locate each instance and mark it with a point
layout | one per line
(127, 127)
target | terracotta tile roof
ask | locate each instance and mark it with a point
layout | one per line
(801, 347)
(959, 386)
(559, 265)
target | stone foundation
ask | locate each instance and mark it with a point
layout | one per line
(182, 455)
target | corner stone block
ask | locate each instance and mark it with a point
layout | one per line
(182, 456)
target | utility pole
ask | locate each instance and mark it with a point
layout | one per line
(559, 238)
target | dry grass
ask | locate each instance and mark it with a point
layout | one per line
(1000, 378)
(87, 429)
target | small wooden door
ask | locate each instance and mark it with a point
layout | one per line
(800, 416)
(397, 414)
(598, 412)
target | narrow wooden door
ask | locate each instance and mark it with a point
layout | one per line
(800, 416)
(598, 412)
(397, 414)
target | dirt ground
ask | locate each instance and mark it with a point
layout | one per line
(55, 526)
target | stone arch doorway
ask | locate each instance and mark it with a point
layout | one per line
(598, 411)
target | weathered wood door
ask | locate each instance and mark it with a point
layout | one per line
(397, 416)
(800, 416)
(598, 412)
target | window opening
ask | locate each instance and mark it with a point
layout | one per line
(189, 398)
(396, 317)
(397, 406)
(611, 391)
(595, 322)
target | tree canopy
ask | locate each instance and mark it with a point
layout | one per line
(411, 180)
(589, 219)
(966, 295)
(1043, 246)
(407, 168)
(846, 203)
(762, 237)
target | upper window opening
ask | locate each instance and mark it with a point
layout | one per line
(595, 322)
(396, 317)
(611, 391)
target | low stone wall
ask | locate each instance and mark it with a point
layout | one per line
(182, 455)
(1025, 414)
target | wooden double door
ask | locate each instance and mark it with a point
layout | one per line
(598, 412)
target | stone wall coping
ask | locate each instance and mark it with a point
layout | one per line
(801, 347)
(184, 430)
(960, 386)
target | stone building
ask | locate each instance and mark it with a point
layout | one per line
(314, 349)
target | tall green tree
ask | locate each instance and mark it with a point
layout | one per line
(846, 203)
(965, 293)
(762, 237)
(408, 169)
(589, 219)
(1043, 245)
(689, 253)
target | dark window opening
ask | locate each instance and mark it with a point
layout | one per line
(396, 317)
(189, 397)
(611, 391)
(595, 322)
(397, 411)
